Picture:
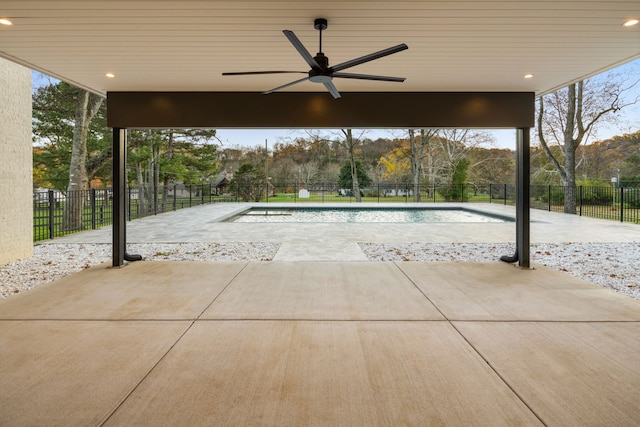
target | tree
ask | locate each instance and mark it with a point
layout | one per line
(455, 191)
(54, 109)
(308, 172)
(630, 172)
(542, 171)
(168, 156)
(249, 182)
(345, 180)
(568, 117)
(453, 145)
(419, 148)
(491, 166)
(396, 164)
(350, 144)
(87, 105)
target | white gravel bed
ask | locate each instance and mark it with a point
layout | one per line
(610, 265)
(53, 261)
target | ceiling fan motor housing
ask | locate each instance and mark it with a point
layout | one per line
(322, 60)
(320, 24)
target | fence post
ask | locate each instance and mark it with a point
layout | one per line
(434, 193)
(505, 194)
(52, 216)
(490, 193)
(129, 204)
(93, 208)
(175, 197)
(190, 195)
(621, 204)
(580, 197)
(549, 198)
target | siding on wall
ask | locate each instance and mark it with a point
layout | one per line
(16, 200)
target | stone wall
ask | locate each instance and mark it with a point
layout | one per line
(16, 189)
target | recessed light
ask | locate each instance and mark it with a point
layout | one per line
(630, 23)
(110, 75)
(5, 21)
(528, 76)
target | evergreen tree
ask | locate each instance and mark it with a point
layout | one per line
(345, 179)
(249, 183)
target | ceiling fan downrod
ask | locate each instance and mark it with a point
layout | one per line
(320, 24)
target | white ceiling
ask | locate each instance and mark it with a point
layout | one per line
(472, 45)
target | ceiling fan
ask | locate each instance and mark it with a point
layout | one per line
(320, 71)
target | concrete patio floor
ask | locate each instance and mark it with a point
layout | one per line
(320, 342)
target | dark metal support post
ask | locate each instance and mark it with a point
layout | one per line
(522, 255)
(119, 200)
(523, 236)
(119, 205)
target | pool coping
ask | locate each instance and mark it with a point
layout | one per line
(228, 217)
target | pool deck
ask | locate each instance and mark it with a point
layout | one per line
(339, 241)
(323, 342)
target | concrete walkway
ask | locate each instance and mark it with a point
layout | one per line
(321, 342)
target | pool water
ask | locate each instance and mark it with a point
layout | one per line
(276, 215)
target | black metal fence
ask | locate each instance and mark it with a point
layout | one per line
(378, 193)
(615, 203)
(93, 208)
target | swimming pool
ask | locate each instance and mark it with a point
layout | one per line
(399, 215)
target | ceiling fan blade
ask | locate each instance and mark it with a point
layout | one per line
(243, 73)
(332, 89)
(369, 77)
(284, 86)
(301, 49)
(370, 57)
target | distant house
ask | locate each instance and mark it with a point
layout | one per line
(222, 183)
(42, 195)
(398, 192)
(178, 190)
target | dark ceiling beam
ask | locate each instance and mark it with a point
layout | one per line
(290, 110)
